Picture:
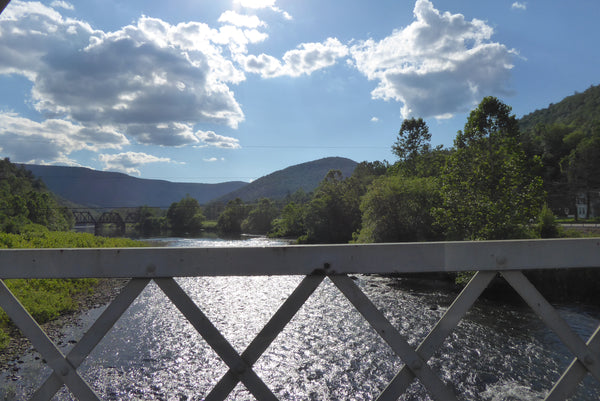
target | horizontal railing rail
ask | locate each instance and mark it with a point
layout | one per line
(301, 259)
(316, 262)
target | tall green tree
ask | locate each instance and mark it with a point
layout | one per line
(489, 190)
(150, 221)
(583, 165)
(260, 218)
(413, 139)
(185, 217)
(399, 209)
(230, 220)
(333, 215)
(416, 156)
(290, 223)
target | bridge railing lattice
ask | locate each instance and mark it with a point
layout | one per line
(317, 263)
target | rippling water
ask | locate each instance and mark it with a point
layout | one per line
(327, 352)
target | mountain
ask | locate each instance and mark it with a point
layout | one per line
(566, 138)
(581, 110)
(103, 189)
(304, 176)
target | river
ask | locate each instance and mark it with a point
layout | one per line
(327, 352)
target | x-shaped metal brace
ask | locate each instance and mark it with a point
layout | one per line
(240, 366)
(587, 356)
(64, 370)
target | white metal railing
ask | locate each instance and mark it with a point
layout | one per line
(316, 263)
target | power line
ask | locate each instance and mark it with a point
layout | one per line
(311, 147)
(128, 177)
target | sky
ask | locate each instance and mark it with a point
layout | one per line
(213, 91)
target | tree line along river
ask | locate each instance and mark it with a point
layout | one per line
(328, 351)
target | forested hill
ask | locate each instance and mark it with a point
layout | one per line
(566, 137)
(305, 176)
(25, 202)
(581, 110)
(104, 189)
(112, 190)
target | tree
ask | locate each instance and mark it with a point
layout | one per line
(416, 156)
(291, 222)
(413, 139)
(583, 165)
(333, 215)
(398, 209)
(25, 201)
(547, 225)
(185, 217)
(260, 218)
(230, 221)
(150, 222)
(366, 172)
(489, 190)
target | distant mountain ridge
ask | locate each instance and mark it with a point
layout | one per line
(102, 189)
(305, 176)
(105, 189)
(580, 110)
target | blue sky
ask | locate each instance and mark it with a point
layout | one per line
(212, 91)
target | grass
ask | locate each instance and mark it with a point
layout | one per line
(209, 225)
(578, 221)
(47, 299)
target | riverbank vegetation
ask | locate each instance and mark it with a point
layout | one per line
(484, 187)
(47, 299)
(31, 217)
(26, 203)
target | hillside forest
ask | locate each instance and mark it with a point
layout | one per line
(503, 178)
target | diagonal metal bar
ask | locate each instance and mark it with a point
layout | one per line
(384, 328)
(265, 337)
(94, 335)
(55, 359)
(215, 339)
(575, 373)
(459, 308)
(552, 319)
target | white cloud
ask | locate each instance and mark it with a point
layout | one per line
(209, 138)
(129, 162)
(305, 59)
(374, 119)
(151, 80)
(519, 6)
(29, 141)
(62, 4)
(237, 39)
(438, 65)
(247, 21)
(213, 159)
(261, 4)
